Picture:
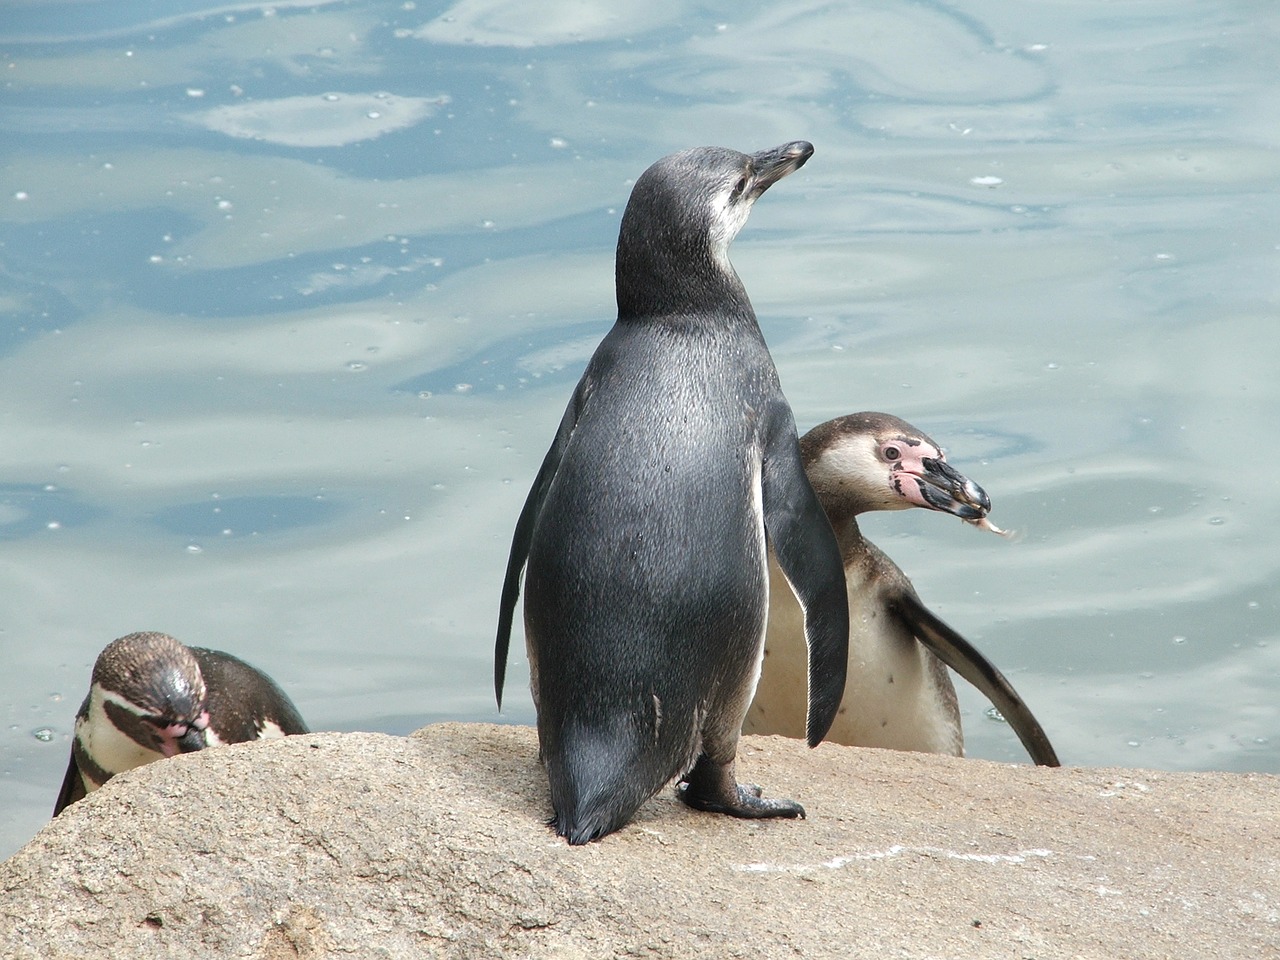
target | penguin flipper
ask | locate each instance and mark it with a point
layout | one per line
(807, 552)
(72, 787)
(966, 660)
(522, 539)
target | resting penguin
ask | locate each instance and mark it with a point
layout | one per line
(647, 529)
(899, 694)
(151, 697)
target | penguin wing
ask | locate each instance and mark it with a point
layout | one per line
(965, 659)
(72, 787)
(809, 556)
(522, 539)
(72, 784)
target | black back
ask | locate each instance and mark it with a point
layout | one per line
(241, 698)
(645, 530)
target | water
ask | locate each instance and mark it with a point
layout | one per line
(293, 297)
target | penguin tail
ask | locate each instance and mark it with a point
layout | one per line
(598, 782)
(583, 827)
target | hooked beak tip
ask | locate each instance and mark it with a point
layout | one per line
(800, 150)
(976, 497)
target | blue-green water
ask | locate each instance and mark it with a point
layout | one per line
(292, 297)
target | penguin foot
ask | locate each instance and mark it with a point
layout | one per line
(745, 803)
(710, 786)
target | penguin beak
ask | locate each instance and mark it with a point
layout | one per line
(182, 737)
(945, 488)
(191, 741)
(770, 166)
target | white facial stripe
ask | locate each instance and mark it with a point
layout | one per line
(727, 218)
(110, 749)
(853, 458)
(854, 465)
(124, 702)
(120, 700)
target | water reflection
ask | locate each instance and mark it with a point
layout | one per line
(239, 301)
(26, 509)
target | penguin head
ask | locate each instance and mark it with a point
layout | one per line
(684, 211)
(875, 461)
(151, 689)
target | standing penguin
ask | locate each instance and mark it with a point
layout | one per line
(899, 695)
(648, 527)
(151, 697)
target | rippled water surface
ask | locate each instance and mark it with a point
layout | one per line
(293, 297)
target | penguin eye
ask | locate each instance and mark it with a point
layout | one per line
(739, 187)
(891, 453)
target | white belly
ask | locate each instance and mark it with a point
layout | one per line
(892, 697)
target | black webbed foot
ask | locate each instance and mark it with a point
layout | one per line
(711, 787)
(747, 804)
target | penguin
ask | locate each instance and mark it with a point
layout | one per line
(645, 538)
(152, 697)
(899, 694)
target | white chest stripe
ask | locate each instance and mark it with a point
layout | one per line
(102, 740)
(757, 509)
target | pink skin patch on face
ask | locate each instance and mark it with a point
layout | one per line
(906, 464)
(907, 471)
(168, 737)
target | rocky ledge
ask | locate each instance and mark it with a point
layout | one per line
(434, 845)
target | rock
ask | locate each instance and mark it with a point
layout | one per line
(434, 845)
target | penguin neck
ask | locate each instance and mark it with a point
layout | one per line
(848, 534)
(840, 501)
(841, 504)
(679, 280)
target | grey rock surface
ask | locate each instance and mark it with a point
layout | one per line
(367, 845)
